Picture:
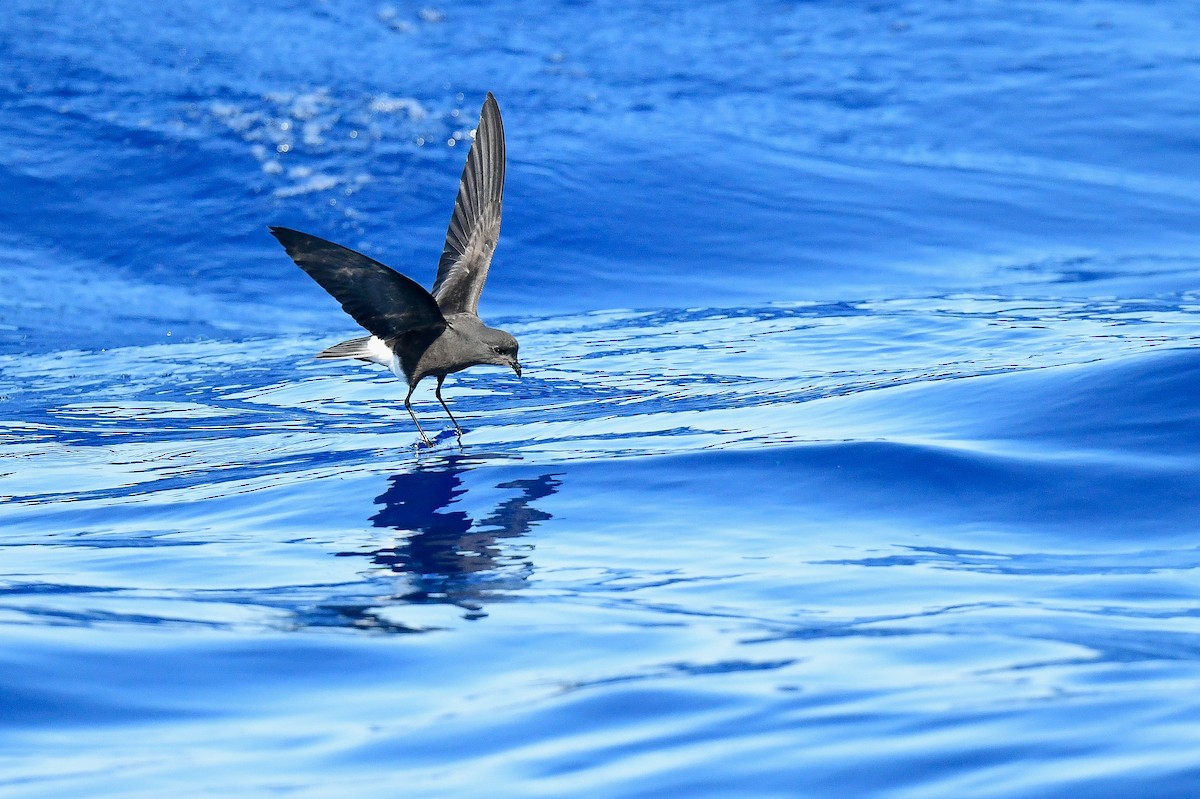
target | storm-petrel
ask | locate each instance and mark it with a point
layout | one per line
(417, 333)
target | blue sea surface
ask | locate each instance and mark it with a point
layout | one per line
(857, 451)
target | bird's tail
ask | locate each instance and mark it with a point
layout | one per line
(354, 348)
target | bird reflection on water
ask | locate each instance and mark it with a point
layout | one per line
(447, 555)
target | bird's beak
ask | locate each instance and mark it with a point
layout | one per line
(516, 367)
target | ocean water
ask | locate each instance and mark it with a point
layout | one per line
(857, 451)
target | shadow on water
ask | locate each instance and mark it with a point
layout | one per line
(448, 555)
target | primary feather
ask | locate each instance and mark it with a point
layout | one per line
(475, 225)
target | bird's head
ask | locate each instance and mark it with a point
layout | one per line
(501, 349)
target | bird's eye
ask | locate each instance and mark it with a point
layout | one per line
(497, 350)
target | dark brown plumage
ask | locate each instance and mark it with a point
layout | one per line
(417, 333)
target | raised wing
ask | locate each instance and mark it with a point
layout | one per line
(475, 225)
(380, 299)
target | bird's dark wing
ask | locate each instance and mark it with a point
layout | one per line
(380, 299)
(475, 225)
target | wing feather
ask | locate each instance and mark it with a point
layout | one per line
(379, 298)
(475, 225)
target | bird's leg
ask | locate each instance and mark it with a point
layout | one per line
(408, 405)
(438, 392)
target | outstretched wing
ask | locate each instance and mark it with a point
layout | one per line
(380, 299)
(475, 225)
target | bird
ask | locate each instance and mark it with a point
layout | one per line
(417, 333)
